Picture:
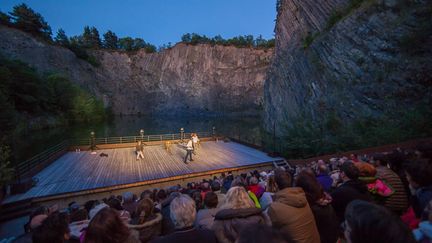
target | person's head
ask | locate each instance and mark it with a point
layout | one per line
(106, 226)
(128, 197)
(253, 181)
(115, 204)
(311, 187)
(271, 184)
(370, 223)
(380, 159)
(205, 186)
(182, 211)
(215, 186)
(210, 200)
(322, 169)
(282, 178)
(236, 198)
(258, 233)
(349, 171)
(161, 195)
(146, 194)
(55, 228)
(419, 173)
(139, 142)
(196, 196)
(145, 209)
(238, 181)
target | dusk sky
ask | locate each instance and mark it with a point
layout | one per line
(157, 21)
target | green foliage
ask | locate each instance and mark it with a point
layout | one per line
(5, 19)
(306, 139)
(307, 41)
(337, 15)
(26, 19)
(23, 91)
(91, 38)
(6, 172)
(238, 41)
(110, 40)
(61, 38)
(126, 43)
(130, 44)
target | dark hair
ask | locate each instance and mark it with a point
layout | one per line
(196, 196)
(106, 226)
(210, 200)
(311, 187)
(371, 223)
(52, 229)
(90, 204)
(115, 203)
(383, 161)
(425, 149)
(215, 186)
(258, 233)
(350, 170)
(283, 179)
(145, 193)
(161, 195)
(420, 172)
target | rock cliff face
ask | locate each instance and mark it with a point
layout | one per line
(185, 79)
(371, 59)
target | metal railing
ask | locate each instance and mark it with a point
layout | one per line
(49, 155)
(134, 139)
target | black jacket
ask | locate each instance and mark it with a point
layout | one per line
(347, 192)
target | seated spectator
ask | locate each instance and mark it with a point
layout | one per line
(216, 188)
(419, 176)
(183, 214)
(398, 202)
(146, 222)
(129, 204)
(196, 196)
(255, 188)
(350, 189)
(227, 182)
(267, 197)
(107, 227)
(237, 212)
(258, 233)
(424, 232)
(114, 203)
(55, 228)
(205, 217)
(324, 178)
(290, 211)
(320, 204)
(205, 187)
(167, 224)
(370, 223)
(76, 213)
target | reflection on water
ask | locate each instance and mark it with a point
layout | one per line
(247, 129)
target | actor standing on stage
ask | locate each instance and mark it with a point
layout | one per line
(139, 150)
(195, 141)
(189, 149)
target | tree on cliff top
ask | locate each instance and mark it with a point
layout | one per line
(61, 38)
(5, 19)
(26, 19)
(91, 38)
(110, 40)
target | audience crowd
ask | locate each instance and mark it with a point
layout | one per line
(385, 197)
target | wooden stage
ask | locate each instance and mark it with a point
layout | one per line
(83, 171)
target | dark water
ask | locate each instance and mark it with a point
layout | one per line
(248, 129)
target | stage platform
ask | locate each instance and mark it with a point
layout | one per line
(83, 171)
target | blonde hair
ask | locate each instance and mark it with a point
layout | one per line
(236, 198)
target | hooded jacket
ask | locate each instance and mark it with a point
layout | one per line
(229, 222)
(347, 192)
(290, 212)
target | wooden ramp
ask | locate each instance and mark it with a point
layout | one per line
(85, 171)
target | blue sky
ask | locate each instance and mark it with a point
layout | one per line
(157, 21)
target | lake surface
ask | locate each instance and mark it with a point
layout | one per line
(247, 129)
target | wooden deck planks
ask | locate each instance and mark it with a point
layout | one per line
(84, 171)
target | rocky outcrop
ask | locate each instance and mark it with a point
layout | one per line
(367, 60)
(184, 79)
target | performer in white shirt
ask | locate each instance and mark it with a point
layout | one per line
(189, 149)
(195, 141)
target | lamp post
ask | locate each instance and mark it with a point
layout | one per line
(92, 141)
(214, 131)
(181, 134)
(142, 135)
